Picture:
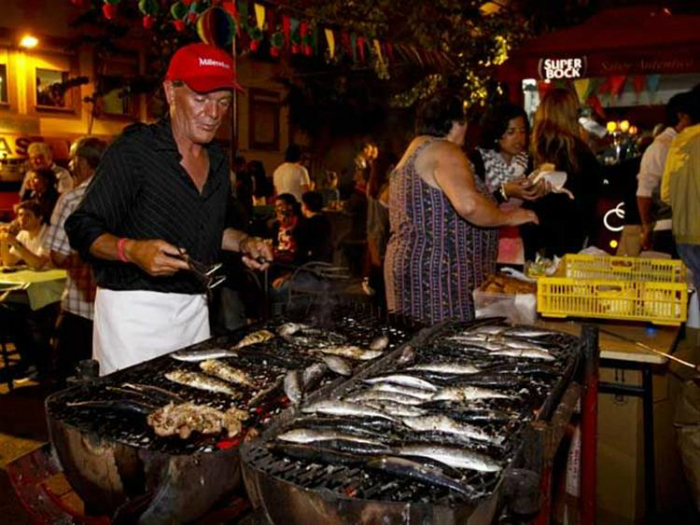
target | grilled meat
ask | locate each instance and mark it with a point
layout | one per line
(183, 419)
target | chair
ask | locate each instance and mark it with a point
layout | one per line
(317, 284)
(6, 362)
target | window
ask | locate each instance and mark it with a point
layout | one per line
(264, 119)
(52, 90)
(3, 84)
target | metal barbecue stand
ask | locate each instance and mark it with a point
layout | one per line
(137, 475)
(285, 498)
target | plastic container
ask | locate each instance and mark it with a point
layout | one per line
(517, 308)
(607, 287)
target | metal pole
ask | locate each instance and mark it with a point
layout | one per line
(234, 106)
(589, 424)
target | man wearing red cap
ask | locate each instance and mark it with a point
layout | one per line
(161, 192)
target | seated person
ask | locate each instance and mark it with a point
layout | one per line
(314, 232)
(287, 217)
(27, 245)
(41, 183)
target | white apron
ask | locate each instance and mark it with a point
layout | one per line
(135, 326)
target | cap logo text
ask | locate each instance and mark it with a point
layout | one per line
(212, 62)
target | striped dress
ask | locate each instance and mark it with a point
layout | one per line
(434, 258)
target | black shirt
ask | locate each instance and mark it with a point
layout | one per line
(314, 239)
(140, 191)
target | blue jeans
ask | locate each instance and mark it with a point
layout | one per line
(690, 253)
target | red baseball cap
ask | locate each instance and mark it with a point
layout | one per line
(203, 68)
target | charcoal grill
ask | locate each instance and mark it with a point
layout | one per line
(119, 467)
(287, 490)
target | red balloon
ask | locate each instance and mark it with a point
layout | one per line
(254, 45)
(274, 51)
(148, 21)
(179, 25)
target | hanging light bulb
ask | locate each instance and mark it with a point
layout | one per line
(611, 126)
(624, 125)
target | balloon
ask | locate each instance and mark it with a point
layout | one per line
(216, 27)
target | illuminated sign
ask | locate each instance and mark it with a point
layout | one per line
(556, 68)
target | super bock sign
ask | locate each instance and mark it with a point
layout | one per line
(555, 68)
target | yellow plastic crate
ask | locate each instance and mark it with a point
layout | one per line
(653, 290)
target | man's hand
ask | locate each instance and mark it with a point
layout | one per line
(155, 257)
(645, 241)
(522, 216)
(256, 252)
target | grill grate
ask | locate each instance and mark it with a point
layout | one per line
(265, 362)
(533, 386)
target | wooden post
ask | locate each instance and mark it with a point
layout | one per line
(589, 424)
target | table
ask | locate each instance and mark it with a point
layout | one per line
(616, 353)
(37, 288)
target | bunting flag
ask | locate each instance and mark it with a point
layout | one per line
(617, 82)
(638, 83)
(378, 51)
(653, 86)
(595, 104)
(353, 46)
(390, 51)
(243, 11)
(275, 23)
(582, 86)
(361, 48)
(330, 40)
(260, 16)
(286, 29)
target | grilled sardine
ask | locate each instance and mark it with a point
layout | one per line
(226, 372)
(202, 382)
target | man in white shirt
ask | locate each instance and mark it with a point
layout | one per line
(291, 176)
(40, 156)
(656, 216)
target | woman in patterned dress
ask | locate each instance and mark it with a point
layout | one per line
(443, 239)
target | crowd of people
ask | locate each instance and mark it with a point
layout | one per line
(421, 230)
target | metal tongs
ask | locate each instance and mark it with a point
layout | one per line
(203, 272)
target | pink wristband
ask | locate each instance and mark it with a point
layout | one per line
(120, 249)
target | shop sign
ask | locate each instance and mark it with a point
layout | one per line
(15, 146)
(557, 68)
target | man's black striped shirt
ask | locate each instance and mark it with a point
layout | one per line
(140, 191)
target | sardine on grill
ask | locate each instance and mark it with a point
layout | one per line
(381, 395)
(446, 368)
(291, 328)
(337, 364)
(202, 382)
(457, 457)
(226, 372)
(402, 379)
(202, 354)
(468, 393)
(350, 351)
(529, 353)
(293, 388)
(254, 338)
(379, 343)
(442, 423)
(344, 408)
(425, 473)
(309, 435)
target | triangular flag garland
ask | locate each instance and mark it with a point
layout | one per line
(282, 27)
